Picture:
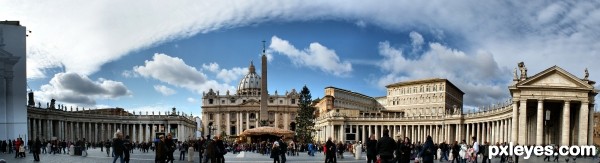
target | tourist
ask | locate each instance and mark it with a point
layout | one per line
(170, 147)
(455, 152)
(275, 152)
(405, 148)
(485, 153)
(385, 147)
(182, 149)
(340, 150)
(161, 150)
(118, 147)
(21, 148)
(463, 151)
(427, 152)
(330, 151)
(475, 148)
(36, 149)
(17, 144)
(107, 145)
(283, 148)
(372, 149)
(220, 150)
(127, 148)
(210, 150)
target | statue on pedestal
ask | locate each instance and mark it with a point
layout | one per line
(587, 74)
(523, 70)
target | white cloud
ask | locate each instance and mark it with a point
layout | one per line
(164, 90)
(315, 56)
(231, 74)
(76, 89)
(512, 30)
(478, 75)
(191, 100)
(212, 67)
(129, 74)
(417, 41)
(361, 24)
(175, 71)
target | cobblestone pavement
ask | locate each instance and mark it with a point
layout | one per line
(96, 156)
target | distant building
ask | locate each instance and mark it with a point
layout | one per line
(550, 107)
(13, 110)
(250, 107)
(97, 125)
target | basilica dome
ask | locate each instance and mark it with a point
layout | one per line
(250, 84)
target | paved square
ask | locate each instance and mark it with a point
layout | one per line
(96, 156)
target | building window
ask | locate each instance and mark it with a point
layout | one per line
(243, 101)
(293, 101)
(210, 101)
(210, 116)
(222, 101)
(280, 101)
(232, 101)
(271, 101)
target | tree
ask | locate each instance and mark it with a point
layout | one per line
(305, 118)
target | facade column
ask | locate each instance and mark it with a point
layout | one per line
(540, 123)
(468, 133)
(228, 124)
(583, 126)
(365, 135)
(590, 124)
(479, 132)
(523, 122)
(133, 133)
(515, 116)
(247, 120)
(564, 140)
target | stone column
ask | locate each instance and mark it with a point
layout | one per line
(368, 132)
(539, 133)
(247, 120)
(228, 124)
(377, 132)
(583, 123)
(590, 124)
(515, 116)
(564, 140)
(342, 132)
(364, 134)
(523, 122)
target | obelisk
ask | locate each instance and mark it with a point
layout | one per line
(264, 95)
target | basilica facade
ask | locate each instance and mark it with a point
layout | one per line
(550, 107)
(230, 113)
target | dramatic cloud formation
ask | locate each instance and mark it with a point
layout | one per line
(316, 55)
(164, 90)
(175, 71)
(73, 88)
(478, 75)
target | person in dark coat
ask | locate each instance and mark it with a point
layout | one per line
(211, 151)
(330, 155)
(36, 149)
(372, 149)
(118, 147)
(427, 151)
(282, 148)
(405, 148)
(219, 144)
(127, 148)
(170, 147)
(275, 152)
(386, 147)
(161, 150)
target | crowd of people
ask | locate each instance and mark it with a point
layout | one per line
(213, 149)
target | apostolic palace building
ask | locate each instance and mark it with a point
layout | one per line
(551, 107)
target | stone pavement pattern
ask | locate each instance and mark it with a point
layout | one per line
(95, 156)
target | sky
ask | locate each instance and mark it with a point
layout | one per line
(156, 55)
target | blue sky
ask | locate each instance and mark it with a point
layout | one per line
(158, 55)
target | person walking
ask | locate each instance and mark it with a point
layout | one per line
(161, 150)
(118, 147)
(372, 149)
(385, 147)
(170, 147)
(275, 152)
(221, 151)
(127, 148)
(405, 148)
(475, 148)
(283, 148)
(182, 150)
(107, 145)
(36, 149)
(330, 151)
(427, 151)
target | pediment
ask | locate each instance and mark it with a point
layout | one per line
(555, 77)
